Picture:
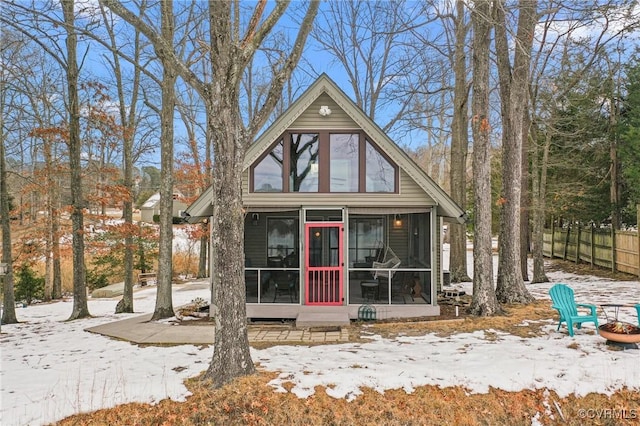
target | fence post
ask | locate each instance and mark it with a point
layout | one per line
(593, 243)
(613, 248)
(566, 242)
(553, 239)
(578, 243)
(638, 234)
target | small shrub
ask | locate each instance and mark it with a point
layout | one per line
(96, 279)
(29, 286)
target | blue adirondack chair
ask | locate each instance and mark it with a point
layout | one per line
(564, 302)
(638, 309)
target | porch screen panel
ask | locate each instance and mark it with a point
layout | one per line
(282, 238)
(366, 236)
(420, 246)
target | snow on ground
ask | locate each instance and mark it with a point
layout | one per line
(52, 368)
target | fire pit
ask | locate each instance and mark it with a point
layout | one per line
(620, 334)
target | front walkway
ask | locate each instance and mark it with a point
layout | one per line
(143, 331)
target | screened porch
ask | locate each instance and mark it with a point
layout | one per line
(372, 258)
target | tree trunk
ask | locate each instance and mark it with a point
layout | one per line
(539, 182)
(55, 249)
(128, 125)
(80, 308)
(9, 303)
(459, 150)
(204, 250)
(231, 356)
(514, 91)
(526, 199)
(484, 300)
(164, 303)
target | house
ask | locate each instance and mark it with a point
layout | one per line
(151, 207)
(337, 216)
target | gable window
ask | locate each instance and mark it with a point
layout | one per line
(380, 173)
(324, 162)
(267, 174)
(343, 164)
(303, 166)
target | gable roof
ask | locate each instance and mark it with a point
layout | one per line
(324, 85)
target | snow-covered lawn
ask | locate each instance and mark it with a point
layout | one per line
(52, 368)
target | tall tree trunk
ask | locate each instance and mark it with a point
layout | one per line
(205, 247)
(9, 303)
(55, 249)
(459, 150)
(484, 300)
(228, 306)
(128, 125)
(48, 182)
(514, 92)
(228, 299)
(80, 308)
(526, 198)
(538, 205)
(614, 186)
(164, 303)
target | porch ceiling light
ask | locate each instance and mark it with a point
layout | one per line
(324, 111)
(397, 221)
(255, 218)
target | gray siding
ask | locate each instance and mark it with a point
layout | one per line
(310, 119)
(398, 239)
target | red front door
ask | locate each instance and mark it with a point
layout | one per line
(324, 268)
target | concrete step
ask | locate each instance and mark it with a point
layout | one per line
(319, 319)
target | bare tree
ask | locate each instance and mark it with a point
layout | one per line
(128, 119)
(378, 60)
(514, 103)
(8, 301)
(484, 302)
(230, 54)
(459, 146)
(80, 308)
(587, 30)
(164, 304)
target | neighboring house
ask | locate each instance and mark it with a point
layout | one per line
(337, 216)
(151, 207)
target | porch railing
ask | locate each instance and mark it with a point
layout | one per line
(390, 285)
(272, 285)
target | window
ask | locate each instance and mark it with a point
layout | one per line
(267, 174)
(324, 162)
(343, 166)
(380, 173)
(304, 168)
